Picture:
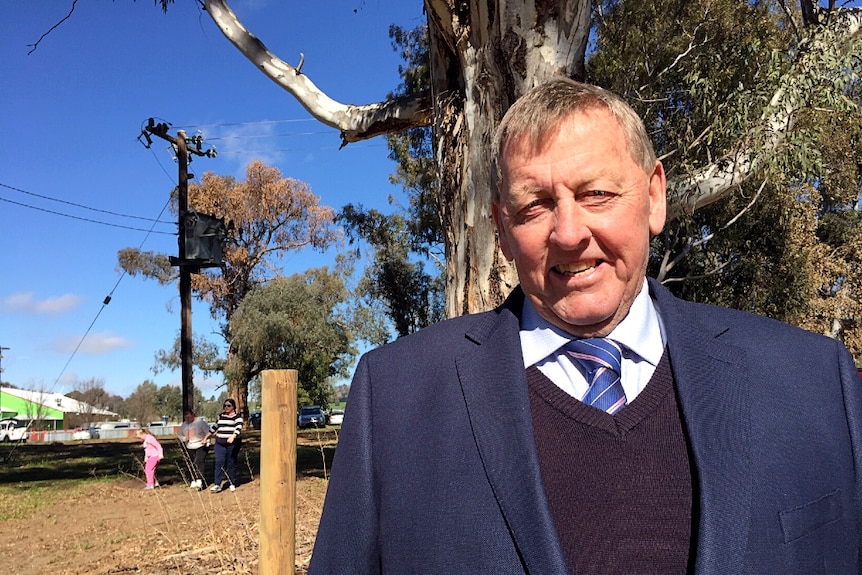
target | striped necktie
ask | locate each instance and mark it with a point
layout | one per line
(601, 359)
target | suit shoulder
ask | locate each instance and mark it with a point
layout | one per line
(736, 323)
(448, 334)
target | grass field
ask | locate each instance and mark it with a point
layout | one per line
(78, 508)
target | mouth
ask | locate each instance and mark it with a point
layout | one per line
(580, 268)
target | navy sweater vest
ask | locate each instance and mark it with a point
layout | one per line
(619, 487)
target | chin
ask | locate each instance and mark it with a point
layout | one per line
(581, 326)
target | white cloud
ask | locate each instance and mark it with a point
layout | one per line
(255, 5)
(26, 302)
(94, 344)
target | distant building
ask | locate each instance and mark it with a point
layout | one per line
(51, 411)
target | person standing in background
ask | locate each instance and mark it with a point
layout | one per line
(153, 453)
(194, 434)
(227, 443)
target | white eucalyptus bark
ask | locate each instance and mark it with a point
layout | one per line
(484, 55)
(355, 122)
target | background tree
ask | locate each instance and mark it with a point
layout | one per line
(294, 322)
(92, 392)
(409, 296)
(141, 403)
(36, 411)
(206, 356)
(169, 403)
(209, 408)
(148, 403)
(267, 215)
(784, 245)
(398, 281)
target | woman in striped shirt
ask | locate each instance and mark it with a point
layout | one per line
(227, 443)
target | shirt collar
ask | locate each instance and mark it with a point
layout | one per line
(641, 331)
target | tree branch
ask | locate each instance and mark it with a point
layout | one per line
(713, 182)
(667, 266)
(355, 122)
(42, 37)
(679, 57)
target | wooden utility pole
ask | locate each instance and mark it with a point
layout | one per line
(278, 472)
(185, 275)
(2, 349)
(186, 266)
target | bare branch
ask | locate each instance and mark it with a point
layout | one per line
(42, 37)
(710, 273)
(679, 57)
(355, 122)
(790, 19)
(667, 266)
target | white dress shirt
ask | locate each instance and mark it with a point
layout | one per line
(640, 333)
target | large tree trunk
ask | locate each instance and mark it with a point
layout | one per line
(484, 55)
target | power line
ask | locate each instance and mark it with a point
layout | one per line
(105, 303)
(88, 220)
(2, 185)
(252, 123)
(280, 135)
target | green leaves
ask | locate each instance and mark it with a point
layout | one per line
(294, 323)
(721, 81)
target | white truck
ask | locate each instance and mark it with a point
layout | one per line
(13, 430)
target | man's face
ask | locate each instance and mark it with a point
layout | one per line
(189, 417)
(576, 215)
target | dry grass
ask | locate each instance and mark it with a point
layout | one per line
(103, 523)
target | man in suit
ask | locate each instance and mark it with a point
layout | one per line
(595, 424)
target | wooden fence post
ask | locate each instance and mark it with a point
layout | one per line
(278, 473)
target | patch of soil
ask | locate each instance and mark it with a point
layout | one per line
(116, 527)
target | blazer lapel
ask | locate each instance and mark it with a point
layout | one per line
(711, 385)
(494, 385)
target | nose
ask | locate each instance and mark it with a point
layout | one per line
(571, 229)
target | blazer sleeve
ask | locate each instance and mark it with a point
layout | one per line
(347, 539)
(851, 385)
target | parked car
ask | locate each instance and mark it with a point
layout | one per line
(13, 430)
(82, 434)
(311, 415)
(254, 419)
(336, 417)
(118, 425)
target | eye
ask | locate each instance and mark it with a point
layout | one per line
(533, 208)
(595, 197)
(537, 203)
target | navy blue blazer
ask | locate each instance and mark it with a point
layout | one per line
(436, 469)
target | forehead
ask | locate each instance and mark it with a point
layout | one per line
(536, 141)
(585, 145)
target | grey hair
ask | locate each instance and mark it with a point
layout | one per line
(544, 107)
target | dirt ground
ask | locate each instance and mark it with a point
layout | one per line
(110, 526)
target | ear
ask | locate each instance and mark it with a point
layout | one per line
(657, 199)
(502, 235)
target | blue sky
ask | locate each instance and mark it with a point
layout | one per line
(71, 114)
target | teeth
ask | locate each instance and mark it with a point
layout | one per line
(577, 268)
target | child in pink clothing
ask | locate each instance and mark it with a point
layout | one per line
(153, 453)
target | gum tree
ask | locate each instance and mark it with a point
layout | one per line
(483, 55)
